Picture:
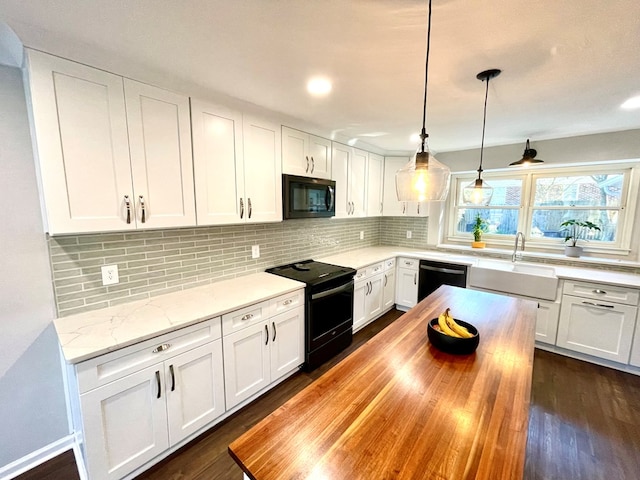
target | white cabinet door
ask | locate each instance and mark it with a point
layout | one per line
(81, 143)
(391, 206)
(389, 287)
(407, 287)
(246, 363)
(125, 423)
(287, 342)
(547, 322)
(320, 155)
(358, 183)
(375, 297)
(304, 154)
(635, 350)
(360, 290)
(161, 160)
(195, 389)
(217, 163)
(341, 158)
(601, 331)
(375, 167)
(262, 148)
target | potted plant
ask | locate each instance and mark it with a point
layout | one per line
(576, 230)
(479, 227)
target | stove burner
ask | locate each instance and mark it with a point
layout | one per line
(301, 267)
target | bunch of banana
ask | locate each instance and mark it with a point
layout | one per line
(449, 326)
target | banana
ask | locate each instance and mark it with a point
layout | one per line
(457, 328)
(442, 321)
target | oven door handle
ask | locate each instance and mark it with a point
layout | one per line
(333, 291)
(442, 270)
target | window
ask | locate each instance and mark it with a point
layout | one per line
(536, 202)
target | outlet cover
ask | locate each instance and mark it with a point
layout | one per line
(255, 251)
(408, 233)
(361, 235)
(110, 274)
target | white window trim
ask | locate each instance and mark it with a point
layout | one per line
(627, 208)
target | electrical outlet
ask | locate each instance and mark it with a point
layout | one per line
(361, 235)
(255, 251)
(110, 274)
(408, 233)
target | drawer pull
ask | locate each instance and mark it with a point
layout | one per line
(287, 302)
(598, 304)
(248, 316)
(158, 383)
(161, 348)
(600, 292)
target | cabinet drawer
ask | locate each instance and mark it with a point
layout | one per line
(286, 302)
(410, 263)
(607, 293)
(369, 271)
(242, 318)
(111, 366)
(389, 264)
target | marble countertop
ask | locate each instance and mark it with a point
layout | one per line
(366, 256)
(90, 334)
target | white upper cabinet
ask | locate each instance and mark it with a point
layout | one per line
(108, 152)
(375, 168)
(237, 167)
(305, 155)
(350, 174)
(391, 206)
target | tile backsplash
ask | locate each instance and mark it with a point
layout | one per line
(161, 261)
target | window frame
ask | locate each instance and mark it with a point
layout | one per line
(626, 211)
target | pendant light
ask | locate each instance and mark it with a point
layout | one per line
(424, 178)
(479, 192)
(528, 157)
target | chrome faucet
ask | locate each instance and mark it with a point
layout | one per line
(515, 255)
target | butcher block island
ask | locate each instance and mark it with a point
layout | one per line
(398, 408)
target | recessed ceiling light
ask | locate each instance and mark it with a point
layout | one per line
(631, 103)
(319, 86)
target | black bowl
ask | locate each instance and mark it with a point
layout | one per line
(455, 345)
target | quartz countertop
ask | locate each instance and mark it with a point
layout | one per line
(94, 333)
(366, 256)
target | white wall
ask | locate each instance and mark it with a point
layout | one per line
(32, 401)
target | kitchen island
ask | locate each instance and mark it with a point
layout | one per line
(398, 408)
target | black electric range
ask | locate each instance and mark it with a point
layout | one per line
(328, 307)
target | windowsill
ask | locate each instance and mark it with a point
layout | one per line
(544, 257)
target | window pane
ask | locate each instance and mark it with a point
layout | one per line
(546, 223)
(601, 190)
(500, 221)
(506, 191)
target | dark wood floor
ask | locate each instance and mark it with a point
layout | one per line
(584, 424)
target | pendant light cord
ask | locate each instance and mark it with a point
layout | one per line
(423, 134)
(484, 122)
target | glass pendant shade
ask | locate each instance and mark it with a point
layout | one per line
(423, 179)
(478, 192)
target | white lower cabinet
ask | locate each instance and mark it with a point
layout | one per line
(368, 295)
(137, 402)
(407, 283)
(635, 349)
(260, 348)
(547, 321)
(389, 284)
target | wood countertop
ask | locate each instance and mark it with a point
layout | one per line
(398, 408)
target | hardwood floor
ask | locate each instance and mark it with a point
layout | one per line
(584, 424)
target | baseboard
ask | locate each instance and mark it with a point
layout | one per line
(38, 457)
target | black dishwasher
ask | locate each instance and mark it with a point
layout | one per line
(433, 274)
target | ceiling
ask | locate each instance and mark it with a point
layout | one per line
(567, 66)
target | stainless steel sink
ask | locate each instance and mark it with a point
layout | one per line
(527, 279)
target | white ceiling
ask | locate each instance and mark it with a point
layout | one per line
(567, 65)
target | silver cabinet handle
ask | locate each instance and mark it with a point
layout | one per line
(249, 205)
(287, 302)
(241, 208)
(273, 324)
(248, 316)
(307, 169)
(385, 279)
(598, 304)
(600, 292)
(161, 348)
(313, 164)
(127, 204)
(142, 208)
(158, 384)
(415, 278)
(418, 209)
(380, 208)
(404, 207)
(266, 329)
(173, 378)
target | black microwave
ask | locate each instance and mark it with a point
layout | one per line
(305, 197)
